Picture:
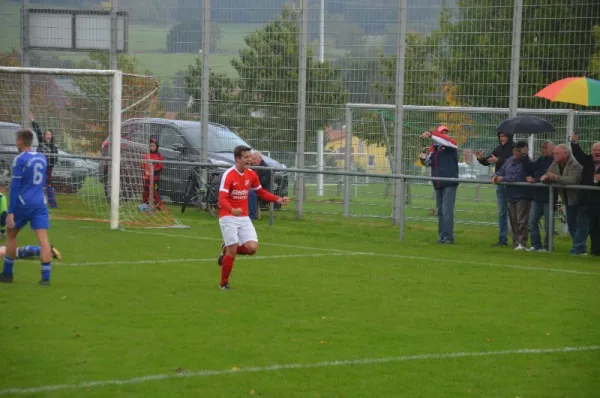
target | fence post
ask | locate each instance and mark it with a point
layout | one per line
(515, 58)
(205, 78)
(271, 204)
(398, 124)
(151, 188)
(402, 208)
(347, 162)
(570, 124)
(550, 220)
(300, 144)
(320, 158)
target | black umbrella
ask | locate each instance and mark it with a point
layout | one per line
(525, 125)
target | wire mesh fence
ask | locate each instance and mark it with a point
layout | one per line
(460, 57)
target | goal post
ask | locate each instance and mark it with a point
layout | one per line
(115, 133)
(85, 110)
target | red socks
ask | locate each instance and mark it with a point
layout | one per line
(226, 268)
(242, 250)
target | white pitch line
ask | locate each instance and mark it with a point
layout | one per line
(293, 366)
(430, 259)
(523, 267)
(212, 259)
(221, 240)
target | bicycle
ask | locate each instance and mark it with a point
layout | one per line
(201, 194)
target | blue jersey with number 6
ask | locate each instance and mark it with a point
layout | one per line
(28, 181)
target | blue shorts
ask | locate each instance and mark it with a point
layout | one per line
(37, 218)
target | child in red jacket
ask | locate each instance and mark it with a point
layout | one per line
(153, 155)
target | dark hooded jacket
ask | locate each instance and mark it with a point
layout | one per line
(155, 155)
(537, 169)
(589, 198)
(502, 152)
(49, 149)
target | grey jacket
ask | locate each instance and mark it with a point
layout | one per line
(571, 175)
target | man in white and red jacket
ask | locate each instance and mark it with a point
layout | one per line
(442, 157)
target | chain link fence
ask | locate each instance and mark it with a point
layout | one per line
(281, 73)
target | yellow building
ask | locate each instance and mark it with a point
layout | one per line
(369, 158)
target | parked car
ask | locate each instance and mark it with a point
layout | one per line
(178, 140)
(68, 175)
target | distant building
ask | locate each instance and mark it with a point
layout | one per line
(366, 157)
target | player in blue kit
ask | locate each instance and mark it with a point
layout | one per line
(27, 205)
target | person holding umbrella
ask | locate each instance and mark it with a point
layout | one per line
(497, 157)
(516, 169)
(526, 125)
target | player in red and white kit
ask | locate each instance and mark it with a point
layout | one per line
(239, 235)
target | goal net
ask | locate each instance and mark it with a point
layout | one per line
(76, 105)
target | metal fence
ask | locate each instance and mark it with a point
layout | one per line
(348, 205)
(287, 75)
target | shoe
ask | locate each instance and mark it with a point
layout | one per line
(223, 251)
(44, 283)
(535, 249)
(520, 247)
(446, 242)
(574, 252)
(55, 253)
(500, 244)
(6, 278)
(225, 286)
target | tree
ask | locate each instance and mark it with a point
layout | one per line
(457, 122)
(186, 37)
(86, 114)
(422, 79)
(345, 35)
(557, 42)
(262, 103)
(595, 59)
(361, 70)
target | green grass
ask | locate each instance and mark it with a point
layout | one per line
(136, 316)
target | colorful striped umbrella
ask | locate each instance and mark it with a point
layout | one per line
(573, 90)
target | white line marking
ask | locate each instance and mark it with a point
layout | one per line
(430, 259)
(290, 366)
(448, 260)
(212, 259)
(221, 240)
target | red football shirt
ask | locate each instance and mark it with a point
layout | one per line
(234, 190)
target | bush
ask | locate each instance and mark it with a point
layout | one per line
(186, 37)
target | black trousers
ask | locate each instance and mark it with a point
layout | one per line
(594, 213)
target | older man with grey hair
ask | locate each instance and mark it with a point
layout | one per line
(590, 199)
(565, 170)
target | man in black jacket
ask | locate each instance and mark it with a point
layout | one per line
(497, 157)
(540, 206)
(50, 150)
(591, 199)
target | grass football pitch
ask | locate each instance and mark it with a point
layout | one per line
(329, 308)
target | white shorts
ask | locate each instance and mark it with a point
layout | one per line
(237, 230)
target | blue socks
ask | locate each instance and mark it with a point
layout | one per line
(46, 268)
(7, 270)
(28, 251)
(23, 252)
